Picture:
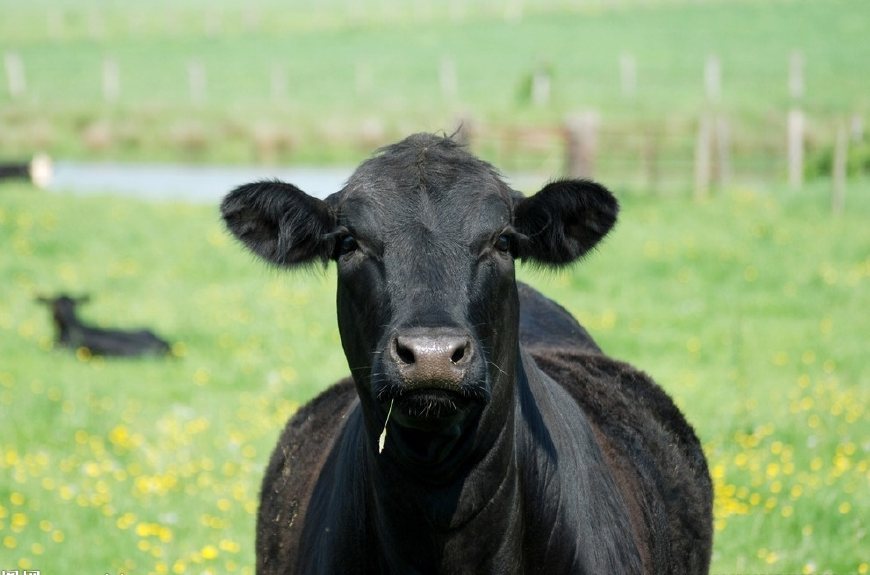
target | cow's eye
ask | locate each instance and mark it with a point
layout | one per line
(503, 243)
(346, 245)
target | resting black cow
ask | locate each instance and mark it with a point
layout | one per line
(71, 332)
(513, 445)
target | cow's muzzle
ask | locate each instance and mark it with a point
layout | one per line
(435, 376)
(431, 360)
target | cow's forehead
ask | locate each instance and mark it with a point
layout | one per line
(434, 184)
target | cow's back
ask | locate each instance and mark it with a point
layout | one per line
(292, 474)
(655, 453)
(546, 324)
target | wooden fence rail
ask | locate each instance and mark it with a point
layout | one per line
(652, 156)
(706, 151)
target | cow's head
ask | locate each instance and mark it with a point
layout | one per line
(425, 237)
(63, 307)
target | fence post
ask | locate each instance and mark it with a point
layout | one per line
(541, 84)
(196, 80)
(448, 79)
(856, 128)
(703, 157)
(15, 79)
(464, 130)
(713, 79)
(278, 84)
(721, 172)
(711, 148)
(839, 167)
(628, 75)
(796, 148)
(796, 121)
(111, 80)
(796, 75)
(581, 144)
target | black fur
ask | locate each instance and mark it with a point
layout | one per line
(544, 323)
(565, 220)
(524, 449)
(280, 223)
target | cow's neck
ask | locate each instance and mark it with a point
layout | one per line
(64, 329)
(422, 522)
(559, 460)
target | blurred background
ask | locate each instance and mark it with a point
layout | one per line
(733, 132)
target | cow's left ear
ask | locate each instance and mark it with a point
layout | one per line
(564, 220)
(280, 223)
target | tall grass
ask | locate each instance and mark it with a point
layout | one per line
(750, 309)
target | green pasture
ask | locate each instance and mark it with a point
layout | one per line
(355, 73)
(750, 309)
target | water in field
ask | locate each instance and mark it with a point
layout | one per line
(187, 183)
(208, 184)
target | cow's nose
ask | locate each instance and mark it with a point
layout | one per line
(430, 361)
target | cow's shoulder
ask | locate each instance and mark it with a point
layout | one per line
(649, 441)
(292, 473)
(544, 323)
(611, 390)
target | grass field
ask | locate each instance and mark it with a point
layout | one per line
(750, 309)
(361, 72)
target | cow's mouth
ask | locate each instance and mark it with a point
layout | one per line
(430, 409)
(427, 424)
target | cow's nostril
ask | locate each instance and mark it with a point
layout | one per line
(459, 353)
(404, 352)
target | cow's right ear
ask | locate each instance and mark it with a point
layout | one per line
(280, 223)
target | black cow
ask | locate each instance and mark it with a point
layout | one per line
(513, 445)
(38, 170)
(71, 332)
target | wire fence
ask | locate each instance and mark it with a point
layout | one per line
(702, 142)
(701, 155)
